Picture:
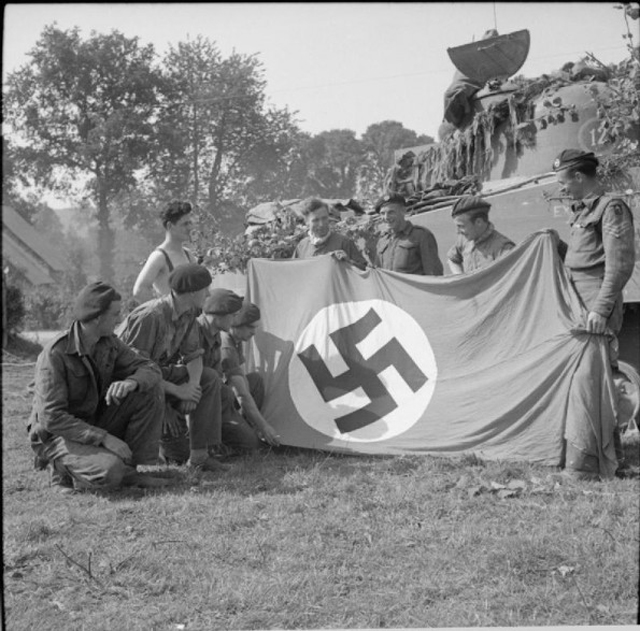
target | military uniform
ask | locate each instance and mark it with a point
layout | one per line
(473, 255)
(233, 365)
(600, 258)
(172, 341)
(236, 431)
(70, 418)
(210, 344)
(601, 254)
(411, 251)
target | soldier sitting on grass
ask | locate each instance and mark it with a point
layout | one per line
(165, 331)
(248, 387)
(97, 408)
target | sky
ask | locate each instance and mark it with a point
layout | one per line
(342, 65)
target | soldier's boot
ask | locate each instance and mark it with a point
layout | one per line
(60, 480)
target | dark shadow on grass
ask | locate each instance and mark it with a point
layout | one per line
(631, 450)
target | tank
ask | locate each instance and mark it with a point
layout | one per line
(500, 137)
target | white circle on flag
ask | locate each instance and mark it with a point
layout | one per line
(394, 355)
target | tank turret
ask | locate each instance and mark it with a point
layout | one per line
(500, 136)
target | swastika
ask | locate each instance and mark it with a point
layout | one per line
(361, 373)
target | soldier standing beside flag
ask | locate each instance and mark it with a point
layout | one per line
(601, 252)
(405, 248)
(600, 259)
(479, 243)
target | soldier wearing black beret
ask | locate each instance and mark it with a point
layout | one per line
(478, 243)
(251, 428)
(601, 253)
(600, 259)
(165, 330)
(97, 407)
(217, 315)
(404, 247)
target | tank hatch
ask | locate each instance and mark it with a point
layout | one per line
(496, 57)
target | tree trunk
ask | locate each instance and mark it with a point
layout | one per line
(213, 188)
(106, 238)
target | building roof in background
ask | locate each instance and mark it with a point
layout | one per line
(29, 250)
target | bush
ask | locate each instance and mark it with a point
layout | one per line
(15, 309)
(47, 308)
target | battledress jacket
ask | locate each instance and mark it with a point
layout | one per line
(413, 250)
(159, 332)
(70, 384)
(473, 255)
(601, 242)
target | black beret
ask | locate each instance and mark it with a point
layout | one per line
(222, 302)
(469, 202)
(247, 315)
(390, 198)
(188, 278)
(93, 300)
(570, 158)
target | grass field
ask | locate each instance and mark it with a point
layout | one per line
(298, 539)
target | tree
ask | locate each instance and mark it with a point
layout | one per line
(332, 159)
(382, 139)
(82, 112)
(379, 142)
(619, 114)
(218, 139)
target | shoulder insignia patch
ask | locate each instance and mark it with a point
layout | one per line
(617, 230)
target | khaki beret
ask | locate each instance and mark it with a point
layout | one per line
(468, 203)
(390, 198)
(570, 158)
(188, 278)
(93, 300)
(249, 314)
(222, 302)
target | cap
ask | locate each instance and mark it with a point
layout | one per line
(570, 158)
(469, 202)
(390, 198)
(222, 302)
(93, 300)
(188, 278)
(249, 314)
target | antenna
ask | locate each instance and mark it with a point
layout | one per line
(495, 18)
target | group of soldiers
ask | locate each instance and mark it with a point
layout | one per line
(170, 385)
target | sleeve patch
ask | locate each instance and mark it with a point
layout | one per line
(617, 221)
(617, 230)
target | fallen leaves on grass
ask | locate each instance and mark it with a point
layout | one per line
(513, 488)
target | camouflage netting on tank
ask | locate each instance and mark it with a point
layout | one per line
(465, 156)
